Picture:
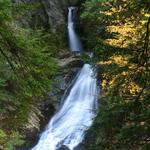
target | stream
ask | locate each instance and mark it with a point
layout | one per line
(76, 114)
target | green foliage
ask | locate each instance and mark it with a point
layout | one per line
(5, 7)
(9, 141)
(119, 36)
(27, 67)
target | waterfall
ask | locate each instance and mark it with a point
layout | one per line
(76, 114)
(74, 41)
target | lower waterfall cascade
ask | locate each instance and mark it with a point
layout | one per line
(75, 116)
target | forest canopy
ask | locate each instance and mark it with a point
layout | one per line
(27, 67)
(119, 35)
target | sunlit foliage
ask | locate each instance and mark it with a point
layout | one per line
(118, 32)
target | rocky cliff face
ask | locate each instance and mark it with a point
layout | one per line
(49, 13)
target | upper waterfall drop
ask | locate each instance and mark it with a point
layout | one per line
(74, 41)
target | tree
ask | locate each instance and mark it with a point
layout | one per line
(121, 42)
(27, 67)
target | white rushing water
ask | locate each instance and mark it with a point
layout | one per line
(76, 115)
(74, 41)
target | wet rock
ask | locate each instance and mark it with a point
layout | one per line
(80, 147)
(63, 148)
(69, 67)
(39, 116)
(70, 62)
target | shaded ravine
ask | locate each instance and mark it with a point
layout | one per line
(76, 114)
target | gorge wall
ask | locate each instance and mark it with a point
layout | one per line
(47, 13)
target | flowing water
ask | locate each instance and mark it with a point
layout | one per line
(74, 41)
(68, 125)
(76, 114)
